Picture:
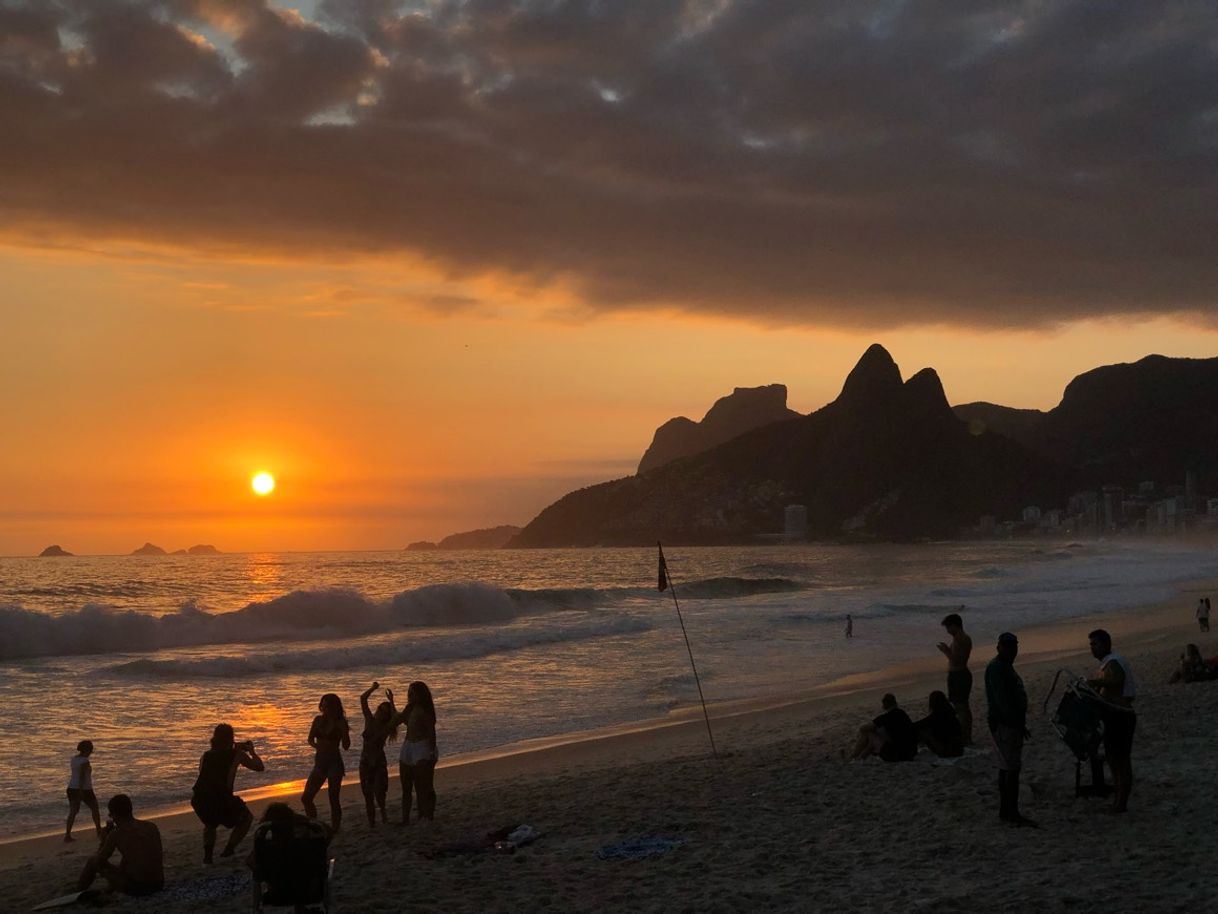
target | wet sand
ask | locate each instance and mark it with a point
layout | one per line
(779, 821)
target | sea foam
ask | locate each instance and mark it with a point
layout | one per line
(310, 615)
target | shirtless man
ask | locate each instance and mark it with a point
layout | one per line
(141, 870)
(1116, 686)
(959, 679)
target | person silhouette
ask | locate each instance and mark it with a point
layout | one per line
(379, 727)
(80, 789)
(213, 799)
(417, 760)
(141, 871)
(329, 736)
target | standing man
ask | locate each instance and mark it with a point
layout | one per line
(959, 679)
(1115, 684)
(1008, 717)
(849, 626)
(1203, 614)
(141, 869)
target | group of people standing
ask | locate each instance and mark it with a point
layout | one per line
(218, 806)
(894, 737)
(330, 735)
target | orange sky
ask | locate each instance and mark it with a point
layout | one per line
(434, 265)
(142, 388)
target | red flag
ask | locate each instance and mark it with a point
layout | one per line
(663, 570)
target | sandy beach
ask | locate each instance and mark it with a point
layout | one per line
(779, 822)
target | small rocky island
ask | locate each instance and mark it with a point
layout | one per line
(53, 551)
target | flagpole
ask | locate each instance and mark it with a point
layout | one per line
(666, 581)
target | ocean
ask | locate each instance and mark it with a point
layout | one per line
(144, 655)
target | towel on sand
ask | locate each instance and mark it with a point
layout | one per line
(639, 848)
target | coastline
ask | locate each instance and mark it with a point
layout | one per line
(1155, 634)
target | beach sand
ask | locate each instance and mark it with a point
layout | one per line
(779, 822)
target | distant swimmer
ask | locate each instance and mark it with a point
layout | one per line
(849, 626)
(1203, 614)
(1116, 686)
(379, 727)
(80, 788)
(959, 678)
(329, 736)
(213, 799)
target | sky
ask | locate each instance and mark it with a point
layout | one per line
(435, 263)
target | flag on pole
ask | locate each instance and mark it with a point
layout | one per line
(663, 570)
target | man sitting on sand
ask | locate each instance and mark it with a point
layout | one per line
(940, 729)
(891, 736)
(959, 678)
(141, 870)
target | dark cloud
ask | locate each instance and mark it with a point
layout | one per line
(809, 161)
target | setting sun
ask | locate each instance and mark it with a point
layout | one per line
(263, 483)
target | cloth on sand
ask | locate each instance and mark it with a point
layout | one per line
(639, 848)
(514, 836)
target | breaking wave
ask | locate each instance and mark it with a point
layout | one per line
(398, 649)
(309, 615)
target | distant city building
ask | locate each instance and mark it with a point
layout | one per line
(1113, 501)
(795, 522)
(1031, 514)
(1211, 507)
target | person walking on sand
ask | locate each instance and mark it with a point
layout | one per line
(141, 871)
(213, 799)
(329, 736)
(1007, 715)
(1116, 686)
(849, 626)
(959, 677)
(80, 789)
(373, 768)
(417, 759)
(1203, 614)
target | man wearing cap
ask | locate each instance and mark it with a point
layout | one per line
(1008, 717)
(1116, 686)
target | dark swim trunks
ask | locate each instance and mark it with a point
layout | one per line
(220, 810)
(82, 796)
(959, 685)
(1118, 732)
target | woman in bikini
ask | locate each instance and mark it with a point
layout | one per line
(373, 769)
(329, 736)
(417, 761)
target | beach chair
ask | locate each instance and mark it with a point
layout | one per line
(292, 865)
(1079, 721)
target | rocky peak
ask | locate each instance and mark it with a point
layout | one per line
(743, 410)
(924, 396)
(875, 379)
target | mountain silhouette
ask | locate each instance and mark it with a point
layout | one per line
(148, 549)
(744, 409)
(1153, 419)
(886, 459)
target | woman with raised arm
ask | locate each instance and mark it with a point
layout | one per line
(329, 736)
(373, 768)
(213, 799)
(417, 760)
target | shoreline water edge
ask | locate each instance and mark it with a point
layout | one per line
(1162, 627)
